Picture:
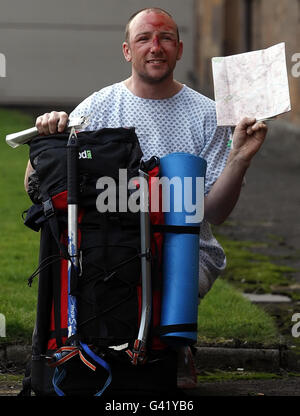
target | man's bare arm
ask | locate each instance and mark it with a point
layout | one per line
(28, 172)
(223, 196)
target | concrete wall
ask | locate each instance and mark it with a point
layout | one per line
(60, 51)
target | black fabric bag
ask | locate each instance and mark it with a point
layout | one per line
(108, 290)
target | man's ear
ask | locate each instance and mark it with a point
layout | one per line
(180, 50)
(126, 51)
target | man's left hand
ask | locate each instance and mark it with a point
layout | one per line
(248, 137)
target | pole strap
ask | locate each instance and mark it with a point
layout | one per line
(64, 354)
(138, 353)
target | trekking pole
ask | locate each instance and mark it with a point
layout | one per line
(72, 162)
(72, 187)
(146, 259)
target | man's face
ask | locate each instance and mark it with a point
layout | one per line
(153, 47)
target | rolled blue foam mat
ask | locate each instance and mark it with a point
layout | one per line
(181, 249)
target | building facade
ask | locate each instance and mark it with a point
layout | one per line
(57, 53)
(227, 27)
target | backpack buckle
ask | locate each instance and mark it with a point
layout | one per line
(48, 208)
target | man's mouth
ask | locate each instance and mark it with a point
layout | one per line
(155, 61)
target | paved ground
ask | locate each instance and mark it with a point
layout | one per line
(284, 387)
(289, 386)
(269, 206)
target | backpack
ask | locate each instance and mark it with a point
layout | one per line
(108, 357)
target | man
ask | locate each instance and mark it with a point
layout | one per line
(169, 117)
(148, 100)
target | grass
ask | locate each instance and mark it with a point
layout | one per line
(223, 314)
(250, 271)
(218, 375)
(11, 381)
(18, 245)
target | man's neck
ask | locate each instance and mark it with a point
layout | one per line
(159, 91)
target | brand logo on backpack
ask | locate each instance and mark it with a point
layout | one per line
(86, 154)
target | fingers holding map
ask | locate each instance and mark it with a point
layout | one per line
(252, 84)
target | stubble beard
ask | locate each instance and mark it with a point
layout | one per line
(155, 80)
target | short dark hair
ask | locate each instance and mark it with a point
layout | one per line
(148, 9)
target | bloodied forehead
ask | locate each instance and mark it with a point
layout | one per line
(149, 21)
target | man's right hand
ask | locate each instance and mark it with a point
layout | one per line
(51, 123)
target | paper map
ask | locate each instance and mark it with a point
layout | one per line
(252, 84)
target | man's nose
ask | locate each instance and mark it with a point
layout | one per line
(155, 44)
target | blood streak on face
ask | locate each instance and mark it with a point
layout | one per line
(159, 21)
(156, 41)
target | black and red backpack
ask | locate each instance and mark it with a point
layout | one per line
(108, 289)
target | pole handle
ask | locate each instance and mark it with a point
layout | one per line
(72, 163)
